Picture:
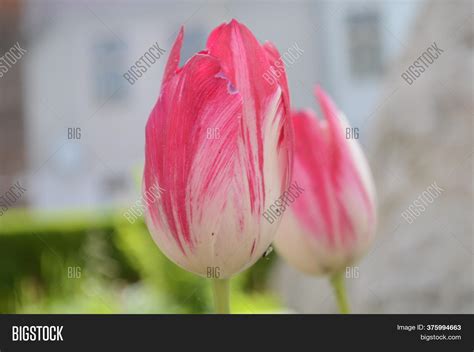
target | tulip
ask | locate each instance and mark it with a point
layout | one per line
(332, 223)
(219, 143)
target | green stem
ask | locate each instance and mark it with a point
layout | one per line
(337, 282)
(221, 295)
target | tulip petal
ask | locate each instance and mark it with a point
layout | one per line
(274, 56)
(244, 61)
(174, 57)
(176, 134)
(347, 153)
(324, 162)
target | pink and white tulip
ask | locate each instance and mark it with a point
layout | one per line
(219, 144)
(333, 222)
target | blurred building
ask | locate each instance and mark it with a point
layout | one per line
(78, 52)
(355, 43)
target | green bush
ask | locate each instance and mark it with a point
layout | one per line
(84, 263)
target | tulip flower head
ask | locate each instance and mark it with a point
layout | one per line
(219, 143)
(333, 222)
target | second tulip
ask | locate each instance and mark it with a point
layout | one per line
(332, 223)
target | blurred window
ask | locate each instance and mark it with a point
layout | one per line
(109, 62)
(365, 46)
(113, 184)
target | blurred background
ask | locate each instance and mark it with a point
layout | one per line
(72, 151)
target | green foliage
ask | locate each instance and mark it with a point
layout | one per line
(83, 263)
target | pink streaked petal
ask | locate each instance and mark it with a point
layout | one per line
(192, 101)
(244, 61)
(174, 57)
(273, 57)
(325, 165)
(341, 148)
(310, 169)
(287, 135)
